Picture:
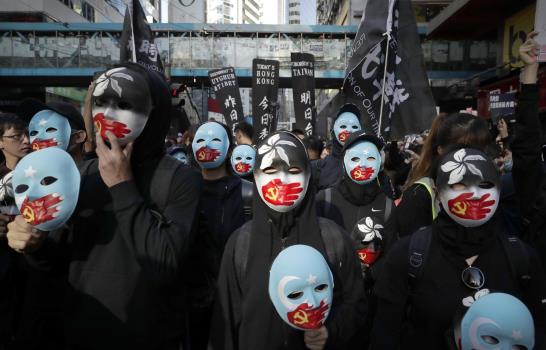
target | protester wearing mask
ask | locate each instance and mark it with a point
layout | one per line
(284, 215)
(129, 235)
(358, 205)
(464, 254)
(221, 211)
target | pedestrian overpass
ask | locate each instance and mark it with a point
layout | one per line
(68, 54)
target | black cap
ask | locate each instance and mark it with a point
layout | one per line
(349, 107)
(362, 136)
(30, 106)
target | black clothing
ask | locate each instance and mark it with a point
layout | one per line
(126, 246)
(439, 293)
(413, 212)
(244, 317)
(330, 168)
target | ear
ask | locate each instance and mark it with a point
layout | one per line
(79, 137)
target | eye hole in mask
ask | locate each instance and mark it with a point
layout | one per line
(248, 158)
(343, 126)
(238, 158)
(21, 188)
(200, 140)
(48, 180)
(321, 287)
(355, 159)
(124, 105)
(33, 133)
(295, 295)
(51, 129)
(355, 127)
(489, 339)
(371, 159)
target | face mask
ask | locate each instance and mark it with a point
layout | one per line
(242, 159)
(301, 287)
(362, 162)
(49, 129)
(122, 104)
(46, 185)
(468, 186)
(210, 145)
(497, 321)
(282, 171)
(345, 124)
(368, 238)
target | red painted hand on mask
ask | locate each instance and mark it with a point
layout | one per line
(367, 256)
(344, 135)
(41, 144)
(307, 318)
(473, 209)
(205, 154)
(40, 210)
(361, 174)
(104, 124)
(277, 193)
(242, 167)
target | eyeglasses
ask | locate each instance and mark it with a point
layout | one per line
(473, 278)
(16, 137)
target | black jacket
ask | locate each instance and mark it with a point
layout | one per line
(126, 249)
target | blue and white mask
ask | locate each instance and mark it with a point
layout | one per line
(345, 124)
(49, 129)
(243, 158)
(210, 145)
(181, 155)
(497, 321)
(46, 184)
(301, 287)
(362, 162)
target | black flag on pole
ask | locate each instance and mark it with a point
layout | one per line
(137, 40)
(303, 91)
(226, 88)
(385, 74)
(265, 82)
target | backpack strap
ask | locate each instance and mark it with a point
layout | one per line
(518, 258)
(327, 200)
(164, 173)
(247, 191)
(417, 255)
(388, 209)
(429, 185)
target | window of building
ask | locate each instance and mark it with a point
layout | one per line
(88, 11)
(294, 13)
(68, 3)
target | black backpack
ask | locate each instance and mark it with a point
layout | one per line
(518, 257)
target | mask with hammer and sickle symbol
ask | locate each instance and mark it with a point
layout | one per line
(282, 171)
(301, 287)
(468, 186)
(46, 184)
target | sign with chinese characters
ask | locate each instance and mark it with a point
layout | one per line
(226, 89)
(137, 40)
(502, 105)
(303, 89)
(265, 83)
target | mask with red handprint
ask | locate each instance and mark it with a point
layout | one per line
(282, 171)
(360, 174)
(206, 155)
(368, 256)
(468, 186)
(307, 317)
(46, 185)
(41, 144)
(122, 104)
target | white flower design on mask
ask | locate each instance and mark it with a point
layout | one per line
(110, 78)
(457, 169)
(271, 148)
(370, 230)
(6, 187)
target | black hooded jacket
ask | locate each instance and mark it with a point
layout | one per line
(126, 246)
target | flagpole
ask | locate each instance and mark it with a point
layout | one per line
(388, 34)
(132, 30)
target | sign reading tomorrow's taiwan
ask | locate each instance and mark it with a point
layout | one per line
(226, 89)
(265, 82)
(303, 90)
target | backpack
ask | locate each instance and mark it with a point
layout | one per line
(518, 257)
(329, 232)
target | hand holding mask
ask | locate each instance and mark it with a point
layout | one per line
(301, 287)
(46, 185)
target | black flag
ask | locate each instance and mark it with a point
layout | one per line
(303, 91)
(226, 88)
(265, 82)
(385, 74)
(137, 40)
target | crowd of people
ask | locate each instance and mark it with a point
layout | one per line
(436, 241)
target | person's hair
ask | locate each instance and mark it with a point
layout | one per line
(10, 120)
(245, 128)
(314, 143)
(447, 130)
